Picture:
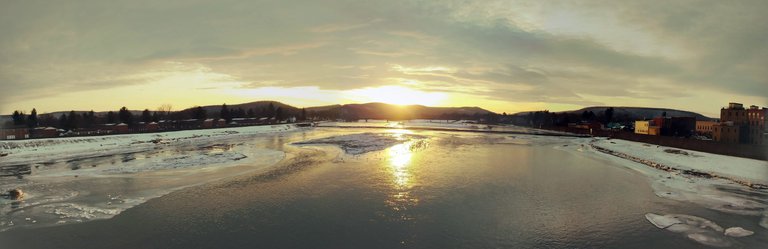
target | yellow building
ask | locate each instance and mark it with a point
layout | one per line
(641, 127)
(704, 127)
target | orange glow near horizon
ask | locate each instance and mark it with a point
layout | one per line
(396, 95)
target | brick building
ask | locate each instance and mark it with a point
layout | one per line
(748, 125)
(14, 133)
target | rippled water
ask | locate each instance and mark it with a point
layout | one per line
(438, 190)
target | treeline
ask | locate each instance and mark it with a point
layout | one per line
(270, 111)
(84, 120)
(546, 118)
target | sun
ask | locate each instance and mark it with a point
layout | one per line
(397, 95)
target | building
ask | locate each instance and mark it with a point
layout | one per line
(44, 132)
(120, 128)
(680, 126)
(208, 123)
(734, 113)
(641, 127)
(589, 126)
(748, 123)
(152, 127)
(705, 127)
(755, 125)
(221, 123)
(14, 133)
(726, 133)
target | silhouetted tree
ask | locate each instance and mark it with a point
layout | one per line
(608, 115)
(125, 116)
(89, 119)
(72, 121)
(110, 117)
(63, 122)
(279, 114)
(32, 119)
(238, 113)
(664, 114)
(199, 113)
(47, 120)
(19, 118)
(155, 117)
(146, 117)
(303, 115)
(251, 113)
(225, 113)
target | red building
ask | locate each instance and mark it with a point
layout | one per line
(14, 133)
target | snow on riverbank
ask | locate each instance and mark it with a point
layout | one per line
(37, 150)
(742, 169)
(86, 178)
(717, 193)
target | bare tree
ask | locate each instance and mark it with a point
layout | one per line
(164, 110)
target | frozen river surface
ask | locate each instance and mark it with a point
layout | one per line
(358, 188)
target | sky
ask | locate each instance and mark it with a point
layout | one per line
(505, 56)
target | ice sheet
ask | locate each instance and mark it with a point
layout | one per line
(82, 179)
(361, 143)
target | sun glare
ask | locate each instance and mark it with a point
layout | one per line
(397, 95)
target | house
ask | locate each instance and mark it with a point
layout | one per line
(220, 123)
(120, 128)
(152, 127)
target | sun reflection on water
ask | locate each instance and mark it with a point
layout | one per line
(399, 158)
(400, 165)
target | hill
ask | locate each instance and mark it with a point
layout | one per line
(636, 113)
(256, 106)
(397, 112)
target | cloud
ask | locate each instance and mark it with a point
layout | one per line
(515, 51)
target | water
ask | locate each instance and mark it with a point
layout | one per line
(449, 190)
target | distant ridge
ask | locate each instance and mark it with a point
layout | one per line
(637, 113)
(362, 111)
(256, 106)
(398, 112)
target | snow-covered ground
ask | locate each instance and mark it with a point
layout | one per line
(742, 169)
(85, 178)
(36, 150)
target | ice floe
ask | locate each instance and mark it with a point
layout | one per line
(695, 228)
(361, 143)
(738, 232)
